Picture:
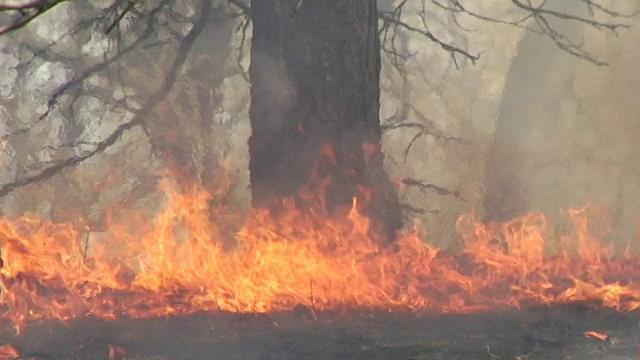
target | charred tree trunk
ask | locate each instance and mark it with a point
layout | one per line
(315, 70)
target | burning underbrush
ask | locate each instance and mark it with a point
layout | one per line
(179, 264)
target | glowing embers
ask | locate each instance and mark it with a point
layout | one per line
(177, 264)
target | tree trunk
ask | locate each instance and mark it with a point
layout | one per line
(315, 71)
(530, 105)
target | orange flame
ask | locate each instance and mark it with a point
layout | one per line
(596, 335)
(8, 352)
(177, 264)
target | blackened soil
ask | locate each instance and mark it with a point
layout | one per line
(536, 333)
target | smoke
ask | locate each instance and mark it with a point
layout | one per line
(566, 132)
(282, 91)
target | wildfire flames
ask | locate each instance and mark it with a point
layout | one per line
(179, 263)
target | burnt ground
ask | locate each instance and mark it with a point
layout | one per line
(537, 333)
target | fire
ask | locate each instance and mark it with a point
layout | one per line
(182, 262)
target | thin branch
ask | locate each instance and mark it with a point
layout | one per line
(396, 14)
(120, 17)
(541, 15)
(565, 43)
(167, 85)
(389, 37)
(538, 11)
(594, 6)
(410, 211)
(78, 80)
(23, 13)
(425, 128)
(453, 50)
(424, 186)
(243, 27)
(244, 7)
(456, 7)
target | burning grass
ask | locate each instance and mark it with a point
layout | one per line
(178, 264)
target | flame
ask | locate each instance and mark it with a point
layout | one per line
(596, 335)
(178, 263)
(8, 352)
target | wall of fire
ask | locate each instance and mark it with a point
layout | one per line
(573, 124)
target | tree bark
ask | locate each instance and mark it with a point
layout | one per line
(315, 72)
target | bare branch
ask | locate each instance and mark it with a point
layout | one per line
(565, 43)
(412, 211)
(243, 27)
(423, 130)
(453, 50)
(424, 186)
(540, 11)
(541, 16)
(23, 13)
(390, 37)
(182, 54)
(456, 7)
(78, 80)
(593, 7)
(120, 17)
(425, 127)
(243, 6)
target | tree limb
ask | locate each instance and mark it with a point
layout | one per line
(541, 15)
(425, 127)
(78, 80)
(451, 49)
(166, 87)
(243, 6)
(424, 186)
(23, 13)
(120, 17)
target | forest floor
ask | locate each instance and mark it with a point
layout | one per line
(547, 333)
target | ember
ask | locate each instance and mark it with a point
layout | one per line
(177, 264)
(596, 335)
(8, 352)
